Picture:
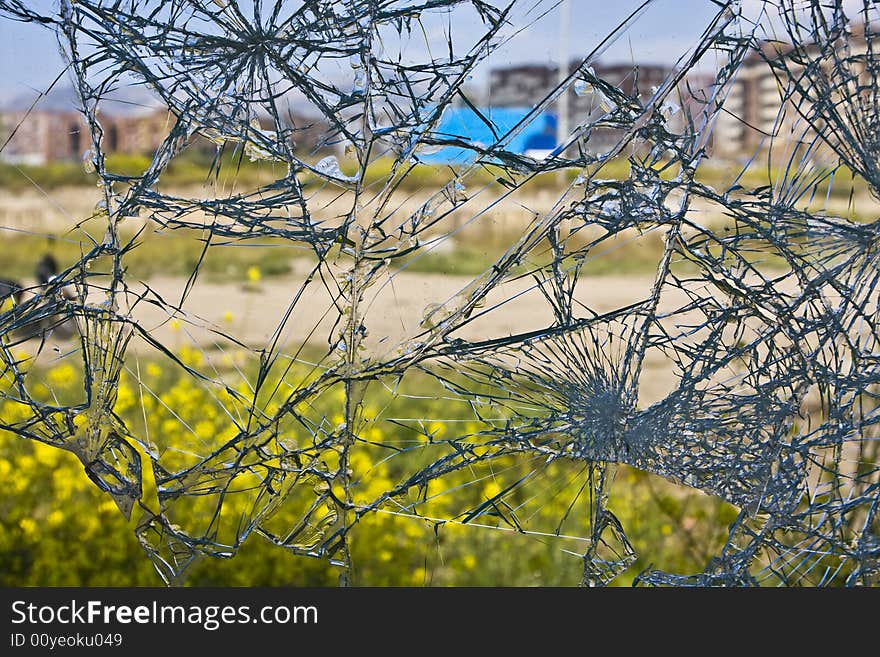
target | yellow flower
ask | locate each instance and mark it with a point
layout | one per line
(28, 526)
(62, 376)
(170, 427)
(491, 489)
(253, 274)
(55, 518)
(190, 356)
(107, 506)
(48, 456)
(205, 430)
(227, 316)
(174, 324)
(125, 399)
(418, 576)
(26, 462)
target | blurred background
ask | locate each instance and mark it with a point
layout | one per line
(57, 528)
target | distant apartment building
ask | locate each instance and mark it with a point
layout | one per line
(43, 136)
(526, 85)
(40, 136)
(633, 80)
(759, 106)
(520, 86)
(751, 109)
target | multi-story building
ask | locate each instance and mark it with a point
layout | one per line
(40, 137)
(521, 86)
(43, 136)
(526, 86)
(763, 107)
(633, 80)
(751, 108)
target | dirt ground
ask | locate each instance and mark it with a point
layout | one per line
(392, 309)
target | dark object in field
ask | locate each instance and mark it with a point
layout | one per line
(9, 288)
(52, 316)
(47, 272)
(47, 269)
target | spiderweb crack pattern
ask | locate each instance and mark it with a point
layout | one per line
(767, 320)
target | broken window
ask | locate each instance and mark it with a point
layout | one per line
(493, 303)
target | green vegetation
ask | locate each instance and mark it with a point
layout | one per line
(843, 185)
(175, 253)
(57, 528)
(178, 253)
(196, 168)
(471, 252)
(183, 171)
(233, 168)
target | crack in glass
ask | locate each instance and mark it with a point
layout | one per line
(744, 366)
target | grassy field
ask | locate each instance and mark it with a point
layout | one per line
(51, 513)
(233, 168)
(57, 528)
(171, 254)
(178, 254)
(471, 252)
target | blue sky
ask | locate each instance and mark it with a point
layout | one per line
(30, 58)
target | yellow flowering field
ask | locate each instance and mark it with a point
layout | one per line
(58, 528)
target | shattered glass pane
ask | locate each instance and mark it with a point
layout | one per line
(459, 338)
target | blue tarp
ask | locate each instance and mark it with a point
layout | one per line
(463, 123)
